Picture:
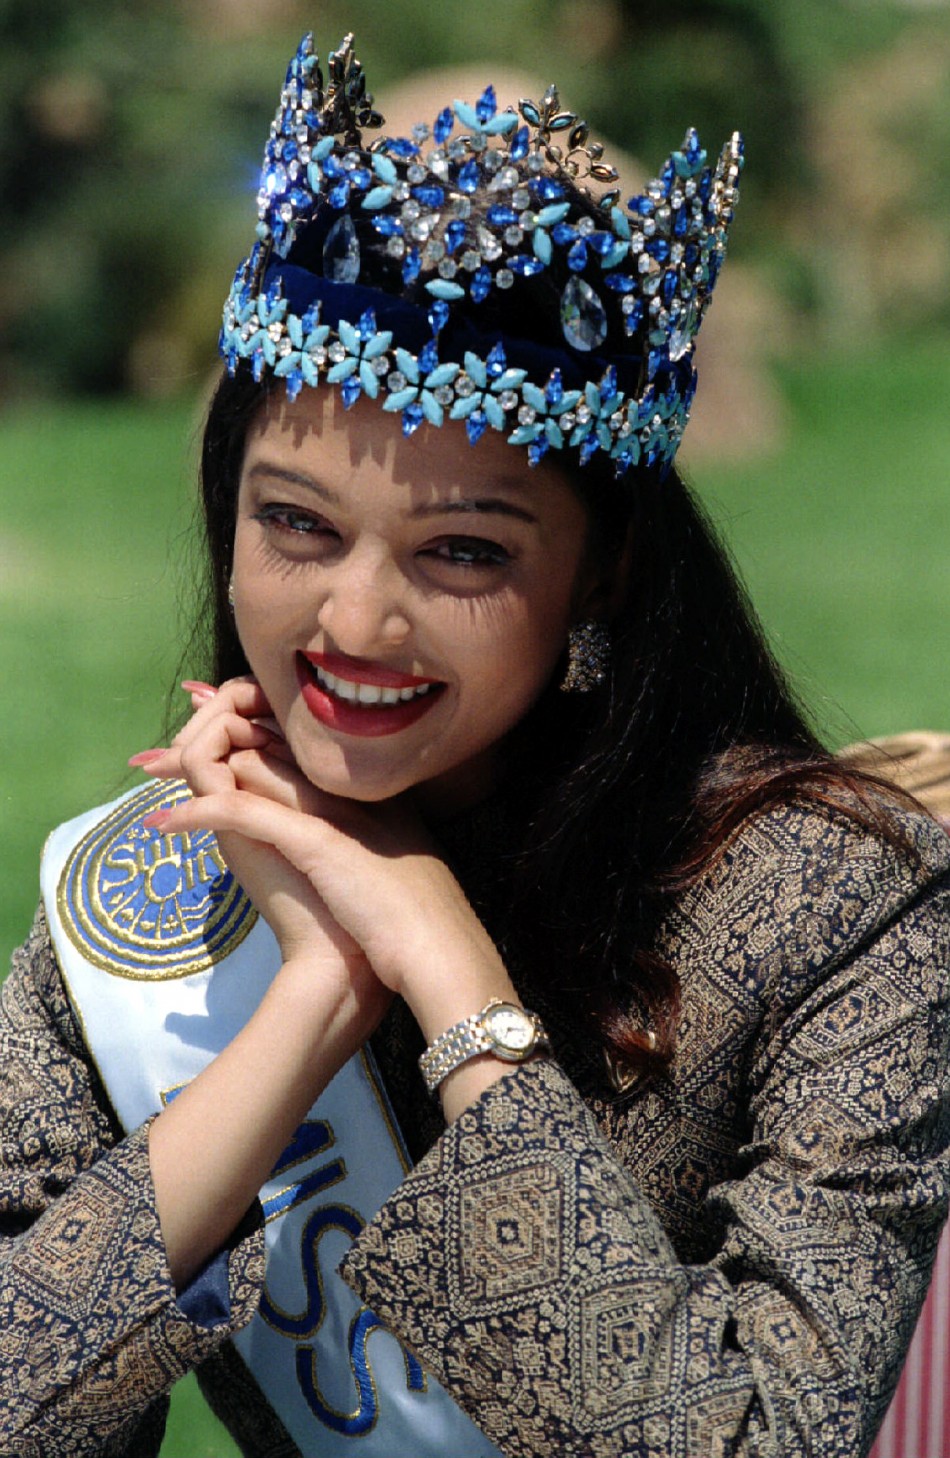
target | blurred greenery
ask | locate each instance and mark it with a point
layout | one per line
(131, 133)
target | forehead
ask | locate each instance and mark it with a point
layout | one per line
(317, 436)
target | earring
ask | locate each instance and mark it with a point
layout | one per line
(231, 593)
(588, 657)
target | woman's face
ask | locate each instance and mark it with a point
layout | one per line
(402, 602)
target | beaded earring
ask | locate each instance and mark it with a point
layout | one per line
(588, 657)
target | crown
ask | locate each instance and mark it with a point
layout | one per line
(469, 209)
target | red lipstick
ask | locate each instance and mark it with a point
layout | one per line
(368, 721)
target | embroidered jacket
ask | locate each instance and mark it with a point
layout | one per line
(730, 1260)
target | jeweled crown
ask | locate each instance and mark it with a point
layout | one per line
(467, 208)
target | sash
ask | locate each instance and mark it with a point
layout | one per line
(164, 959)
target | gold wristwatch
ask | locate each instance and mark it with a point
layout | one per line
(503, 1029)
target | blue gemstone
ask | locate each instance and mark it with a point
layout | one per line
(680, 222)
(300, 198)
(525, 266)
(496, 363)
(454, 235)
(634, 319)
(444, 123)
(257, 365)
(608, 385)
(486, 105)
(589, 447)
(469, 176)
(577, 257)
(563, 233)
(438, 316)
(387, 225)
(658, 248)
(601, 243)
(289, 151)
(519, 144)
(670, 282)
(655, 360)
(412, 266)
(428, 357)
(366, 328)
(667, 175)
(476, 425)
(310, 319)
(705, 185)
(338, 196)
(691, 256)
(501, 217)
(583, 317)
(548, 190)
(412, 418)
(341, 252)
(333, 167)
(402, 147)
(537, 450)
(554, 389)
(430, 197)
(621, 283)
(642, 205)
(480, 286)
(351, 390)
(361, 177)
(294, 383)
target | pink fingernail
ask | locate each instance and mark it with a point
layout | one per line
(145, 756)
(156, 820)
(196, 686)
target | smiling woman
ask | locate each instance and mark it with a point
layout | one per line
(497, 796)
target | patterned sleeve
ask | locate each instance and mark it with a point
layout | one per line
(91, 1334)
(524, 1264)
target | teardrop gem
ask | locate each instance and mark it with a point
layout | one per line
(341, 252)
(583, 317)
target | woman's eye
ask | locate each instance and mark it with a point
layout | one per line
(291, 519)
(471, 552)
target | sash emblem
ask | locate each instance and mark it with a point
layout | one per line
(149, 906)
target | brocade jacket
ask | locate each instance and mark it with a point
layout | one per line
(727, 1260)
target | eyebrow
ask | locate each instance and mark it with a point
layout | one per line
(497, 505)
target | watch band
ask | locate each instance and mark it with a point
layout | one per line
(504, 1029)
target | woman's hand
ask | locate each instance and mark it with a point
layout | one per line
(305, 855)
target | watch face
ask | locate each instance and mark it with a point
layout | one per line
(510, 1028)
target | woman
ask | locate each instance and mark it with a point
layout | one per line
(705, 1224)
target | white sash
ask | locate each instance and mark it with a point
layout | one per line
(164, 960)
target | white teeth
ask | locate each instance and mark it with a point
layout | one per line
(366, 693)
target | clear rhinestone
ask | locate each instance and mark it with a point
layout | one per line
(582, 413)
(583, 317)
(513, 235)
(567, 420)
(464, 386)
(493, 158)
(521, 197)
(489, 245)
(336, 353)
(341, 252)
(419, 230)
(508, 399)
(448, 268)
(380, 365)
(471, 260)
(401, 192)
(585, 226)
(416, 173)
(435, 250)
(527, 416)
(410, 211)
(462, 206)
(395, 381)
(534, 164)
(396, 246)
(444, 394)
(504, 278)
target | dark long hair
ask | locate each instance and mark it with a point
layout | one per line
(623, 797)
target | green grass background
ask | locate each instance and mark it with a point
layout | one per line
(843, 538)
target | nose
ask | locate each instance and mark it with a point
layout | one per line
(363, 609)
